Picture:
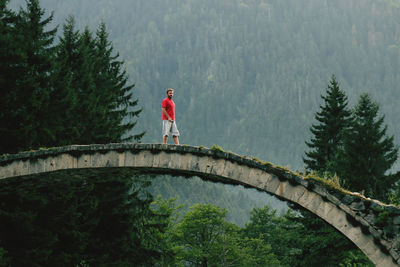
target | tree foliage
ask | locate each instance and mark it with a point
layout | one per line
(277, 231)
(28, 50)
(201, 234)
(51, 95)
(330, 141)
(333, 120)
(368, 152)
(102, 219)
(74, 92)
(204, 238)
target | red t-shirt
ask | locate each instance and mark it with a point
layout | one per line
(169, 106)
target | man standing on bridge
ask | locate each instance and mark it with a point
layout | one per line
(168, 117)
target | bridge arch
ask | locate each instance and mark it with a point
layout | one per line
(352, 214)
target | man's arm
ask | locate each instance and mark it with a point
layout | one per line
(166, 114)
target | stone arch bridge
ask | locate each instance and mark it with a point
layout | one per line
(371, 225)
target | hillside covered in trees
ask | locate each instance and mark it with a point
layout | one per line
(249, 74)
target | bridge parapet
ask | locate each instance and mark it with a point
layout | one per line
(370, 224)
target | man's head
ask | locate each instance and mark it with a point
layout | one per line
(170, 93)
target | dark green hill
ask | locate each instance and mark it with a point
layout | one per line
(248, 74)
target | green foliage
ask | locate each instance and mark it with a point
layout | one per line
(368, 153)
(333, 120)
(276, 230)
(74, 92)
(328, 145)
(168, 214)
(204, 238)
(332, 182)
(301, 239)
(200, 234)
(356, 259)
(100, 220)
(257, 253)
(91, 88)
(215, 147)
(384, 219)
(321, 244)
(394, 194)
(26, 65)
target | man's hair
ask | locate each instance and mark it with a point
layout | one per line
(169, 89)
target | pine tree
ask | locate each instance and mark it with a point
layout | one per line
(113, 93)
(92, 88)
(104, 219)
(10, 58)
(64, 96)
(51, 96)
(34, 83)
(84, 84)
(26, 94)
(326, 147)
(333, 119)
(368, 153)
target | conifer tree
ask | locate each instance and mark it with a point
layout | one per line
(326, 146)
(92, 87)
(87, 108)
(26, 92)
(52, 96)
(114, 92)
(368, 152)
(64, 96)
(327, 140)
(33, 85)
(10, 57)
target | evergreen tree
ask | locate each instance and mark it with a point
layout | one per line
(121, 235)
(86, 110)
(113, 93)
(320, 244)
(26, 92)
(279, 231)
(101, 219)
(368, 153)
(33, 83)
(301, 240)
(326, 147)
(64, 94)
(10, 58)
(92, 88)
(333, 119)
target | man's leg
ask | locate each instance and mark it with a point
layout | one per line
(165, 130)
(176, 139)
(175, 133)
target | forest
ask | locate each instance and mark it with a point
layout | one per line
(311, 85)
(248, 64)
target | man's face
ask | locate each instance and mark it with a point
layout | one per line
(170, 94)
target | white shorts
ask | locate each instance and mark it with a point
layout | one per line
(169, 128)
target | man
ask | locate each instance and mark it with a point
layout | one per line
(168, 117)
